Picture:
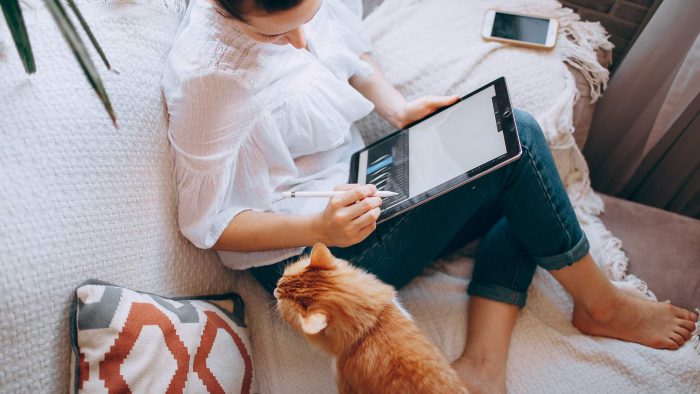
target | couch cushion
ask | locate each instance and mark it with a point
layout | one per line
(197, 343)
(663, 248)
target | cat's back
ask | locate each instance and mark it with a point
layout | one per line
(395, 357)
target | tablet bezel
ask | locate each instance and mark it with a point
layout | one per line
(513, 152)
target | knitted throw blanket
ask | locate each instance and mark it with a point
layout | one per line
(434, 47)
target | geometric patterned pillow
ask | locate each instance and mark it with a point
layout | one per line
(126, 341)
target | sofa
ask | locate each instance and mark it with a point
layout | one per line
(81, 199)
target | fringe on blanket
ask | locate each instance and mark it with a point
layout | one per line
(579, 50)
(577, 43)
(695, 339)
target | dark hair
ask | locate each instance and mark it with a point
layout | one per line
(238, 8)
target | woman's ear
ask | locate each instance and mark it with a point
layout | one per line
(314, 322)
(321, 258)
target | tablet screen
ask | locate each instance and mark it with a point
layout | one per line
(443, 147)
(455, 141)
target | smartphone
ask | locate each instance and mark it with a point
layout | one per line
(520, 29)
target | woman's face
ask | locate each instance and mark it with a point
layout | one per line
(281, 28)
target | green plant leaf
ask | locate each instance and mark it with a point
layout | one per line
(14, 19)
(92, 38)
(65, 25)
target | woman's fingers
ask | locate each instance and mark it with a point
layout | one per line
(363, 206)
(435, 102)
(347, 186)
(367, 218)
(366, 231)
(355, 194)
(424, 106)
(339, 217)
(443, 101)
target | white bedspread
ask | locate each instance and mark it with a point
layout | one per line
(434, 47)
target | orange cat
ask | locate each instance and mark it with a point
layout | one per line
(356, 318)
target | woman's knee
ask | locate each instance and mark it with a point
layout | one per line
(529, 130)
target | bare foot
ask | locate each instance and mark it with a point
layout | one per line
(655, 324)
(481, 377)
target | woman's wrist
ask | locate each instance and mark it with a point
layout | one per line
(397, 119)
(388, 102)
(315, 229)
(396, 115)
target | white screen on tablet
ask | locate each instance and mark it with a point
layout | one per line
(453, 142)
(436, 150)
(442, 152)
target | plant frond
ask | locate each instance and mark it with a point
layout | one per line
(92, 38)
(65, 25)
(15, 21)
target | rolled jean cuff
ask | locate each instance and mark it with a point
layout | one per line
(565, 259)
(497, 293)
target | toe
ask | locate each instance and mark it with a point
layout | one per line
(683, 332)
(684, 314)
(669, 344)
(661, 343)
(679, 340)
(687, 324)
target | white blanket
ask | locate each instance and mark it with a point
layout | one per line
(434, 47)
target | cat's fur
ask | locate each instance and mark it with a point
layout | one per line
(354, 317)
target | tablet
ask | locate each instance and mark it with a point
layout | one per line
(445, 150)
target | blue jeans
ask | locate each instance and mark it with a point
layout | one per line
(523, 208)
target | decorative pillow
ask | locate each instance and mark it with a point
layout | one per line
(127, 341)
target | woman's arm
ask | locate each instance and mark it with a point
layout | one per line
(347, 220)
(254, 231)
(390, 103)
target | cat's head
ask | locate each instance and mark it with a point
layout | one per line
(329, 300)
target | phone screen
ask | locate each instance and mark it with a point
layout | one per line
(521, 28)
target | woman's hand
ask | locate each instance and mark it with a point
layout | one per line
(420, 108)
(350, 217)
(390, 103)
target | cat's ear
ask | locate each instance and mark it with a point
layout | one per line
(321, 258)
(314, 322)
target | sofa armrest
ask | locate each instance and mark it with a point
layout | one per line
(662, 247)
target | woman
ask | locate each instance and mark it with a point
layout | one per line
(262, 95)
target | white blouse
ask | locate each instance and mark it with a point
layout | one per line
(250, 120)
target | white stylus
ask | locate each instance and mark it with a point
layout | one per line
(331, 194)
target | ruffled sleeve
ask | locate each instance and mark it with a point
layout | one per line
(317, 117)
(217, 133)
(340, 39)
